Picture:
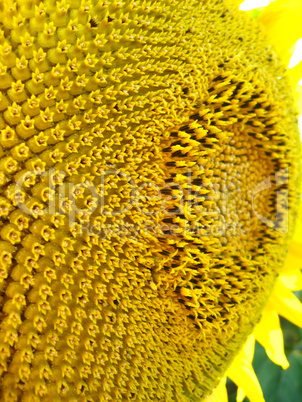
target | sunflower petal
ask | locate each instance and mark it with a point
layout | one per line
(299, 96)
(292, 263)
(219, 394)
(293, 280)
(286, 303)
(293, 260)
(283, 16)
(237, 2)
(241, 372)
(296, 249)
(269, 334)
(295, 75)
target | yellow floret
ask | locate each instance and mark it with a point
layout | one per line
(148, 162)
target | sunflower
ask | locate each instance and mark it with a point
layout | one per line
(150, 176)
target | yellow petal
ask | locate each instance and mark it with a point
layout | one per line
(293, 262)
(291, 275)
(286, 303)
(249, 348)
(292, 280)
(282, 20)
(296, 250)
(269, 334)
(299, 95)
(219, 394)
(295, 74)
(240, 395)
(237, 2)
(241, 372)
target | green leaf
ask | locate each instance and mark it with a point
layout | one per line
(269, 375)
(290, 384)
(232, 390)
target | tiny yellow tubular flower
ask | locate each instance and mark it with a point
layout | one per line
(149, 158)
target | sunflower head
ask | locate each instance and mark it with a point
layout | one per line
(149, 166)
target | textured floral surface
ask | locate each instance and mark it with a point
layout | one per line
(139, 236)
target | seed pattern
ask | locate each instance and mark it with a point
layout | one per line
(133, 135)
